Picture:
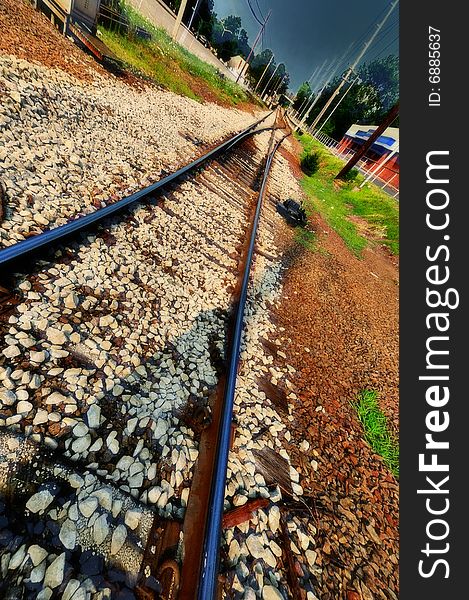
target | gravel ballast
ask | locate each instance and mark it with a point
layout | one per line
(106, 348)
(70, 147)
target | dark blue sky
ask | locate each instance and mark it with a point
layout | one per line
(304, 33)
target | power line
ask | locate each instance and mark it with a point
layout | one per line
(386, 47)
(253, 13)
(353, 46)
(357, 60)
(259, 9)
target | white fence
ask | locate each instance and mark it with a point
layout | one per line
(370, 168)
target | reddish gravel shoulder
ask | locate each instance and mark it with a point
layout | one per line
(340, 316)
(28, 34)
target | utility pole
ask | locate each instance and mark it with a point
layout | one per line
(194, 11)
(264, 72)
(331, 72)
(270, 79)
(277, 87)
(357, 60)
(177, 23)
(304, 103)
(338, 103)
(315, 77)
(256, 41)
(392, 114)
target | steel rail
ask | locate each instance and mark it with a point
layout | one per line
(207, 589)
(21, 249)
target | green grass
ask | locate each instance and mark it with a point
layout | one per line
(376, 429)
(306, 238)
(170, 65)
(337, 202)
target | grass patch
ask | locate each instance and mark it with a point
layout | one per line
(170, 65)
(305, 238)
(338, 202)
(376, 430)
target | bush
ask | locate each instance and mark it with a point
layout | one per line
(351, 175)
(310, 163)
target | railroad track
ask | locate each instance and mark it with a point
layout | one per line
(118, 367)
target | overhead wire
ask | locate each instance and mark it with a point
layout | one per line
(260, 11)
(383, 50)
(253, 12)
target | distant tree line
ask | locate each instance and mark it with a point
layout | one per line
(369, 99)
(228, 38)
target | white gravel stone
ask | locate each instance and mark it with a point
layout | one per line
(37, 574)
(100, 529)
(311, 556)
(56, 336)
(71, 301)
(274, 518)
(38, 357)
(68, 534)
(132, 518)
(88, 506)
(258, 550)
(7, 397)
(37, 554)
(269, 592)
(239, 500)
(11, 351)
(104, 496)
(24, 407)
(154, 494)
(80, 430)
(70, 589)
(81, 444)
(234, 551)
(55, 572)
(112, 443)
(39, 501)
(40, 417)
(119, 536)
(17, 558)
(56, 398)
(93, 416)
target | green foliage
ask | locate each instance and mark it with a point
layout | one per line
(368, 100)
(167, 63)
(305, 238)
(376, 429)
(338, 203)
(310, 163)
(383, 75)
(304, 91)
(351, 175)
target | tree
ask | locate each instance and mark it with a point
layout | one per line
(303, 92)
(232, 24)
(280, 74)
(366, 103)
(204, 18)
(383, 75)
(243, 43)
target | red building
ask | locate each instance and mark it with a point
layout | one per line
(384, 150)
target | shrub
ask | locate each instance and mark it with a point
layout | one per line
(351, 175)
(310, 163)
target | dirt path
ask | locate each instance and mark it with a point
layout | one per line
(340, 316)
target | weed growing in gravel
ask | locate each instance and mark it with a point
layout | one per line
(339, 202)
(169, 64)
(376, 430)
